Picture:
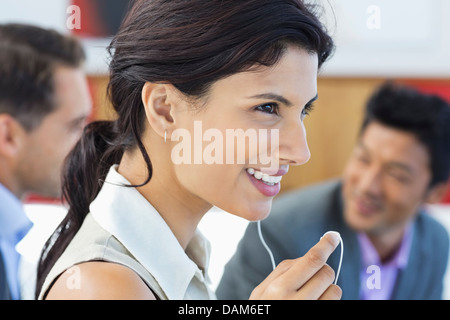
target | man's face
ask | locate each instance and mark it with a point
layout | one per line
(386, 180)
(46, 147)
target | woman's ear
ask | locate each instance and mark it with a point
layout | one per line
(157, 108)
(11, 136)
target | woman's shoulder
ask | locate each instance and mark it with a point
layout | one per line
(99, 280)
(97, 259)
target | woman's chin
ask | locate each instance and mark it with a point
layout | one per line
(251, 211)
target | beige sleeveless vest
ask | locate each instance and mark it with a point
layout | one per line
(92, 243)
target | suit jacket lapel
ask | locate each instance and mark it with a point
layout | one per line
(406, 284)
(349, 279)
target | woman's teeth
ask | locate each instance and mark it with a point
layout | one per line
(269, 180)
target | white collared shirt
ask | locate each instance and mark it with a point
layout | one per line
(130, 218)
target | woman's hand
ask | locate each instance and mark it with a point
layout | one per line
(305, 278)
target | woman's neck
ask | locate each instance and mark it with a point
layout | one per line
(181, 210)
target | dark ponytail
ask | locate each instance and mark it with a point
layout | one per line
(190, 44)
(89, 158)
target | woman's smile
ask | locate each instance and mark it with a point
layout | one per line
(268, 185)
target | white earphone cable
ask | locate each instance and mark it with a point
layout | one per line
(273, 260)
(265, 245)
(340, 260)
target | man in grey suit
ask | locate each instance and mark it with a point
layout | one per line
(393, 248)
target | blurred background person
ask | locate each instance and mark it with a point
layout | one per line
(393, 248)
(44, 106)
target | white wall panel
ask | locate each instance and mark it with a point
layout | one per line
(389, 38)
(375, 38)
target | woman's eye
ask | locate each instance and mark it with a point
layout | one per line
(270, 108)
(307, 110)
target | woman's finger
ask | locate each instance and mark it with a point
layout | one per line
(317, 285)
(288, 278)
(333, 292)
(307, 266)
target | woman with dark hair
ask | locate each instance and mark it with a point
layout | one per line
(184, 73)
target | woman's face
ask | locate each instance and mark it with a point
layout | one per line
(251, 123)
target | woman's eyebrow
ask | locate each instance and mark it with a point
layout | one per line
(281, 99)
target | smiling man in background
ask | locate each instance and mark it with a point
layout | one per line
(393, 248)
(44, 105)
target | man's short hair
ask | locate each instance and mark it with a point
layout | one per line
(426, 116)
(28, 58)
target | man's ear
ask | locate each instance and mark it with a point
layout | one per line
(11, 136)
(436, 193)
(157, 108)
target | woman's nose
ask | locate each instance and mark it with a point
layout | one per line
(294, 148)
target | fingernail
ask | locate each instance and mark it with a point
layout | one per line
(335, 235)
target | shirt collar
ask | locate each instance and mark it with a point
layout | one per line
(400, 259)
(14, 223)
(126, 214)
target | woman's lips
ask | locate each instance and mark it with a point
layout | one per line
(268, 185)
